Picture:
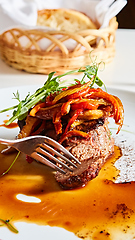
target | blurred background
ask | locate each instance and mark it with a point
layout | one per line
(126, 18)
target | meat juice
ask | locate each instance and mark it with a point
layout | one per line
(11, 125)
(101, 210)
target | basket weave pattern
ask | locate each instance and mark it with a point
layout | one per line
(22, 49)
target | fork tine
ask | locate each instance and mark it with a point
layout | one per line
(48, 148)
(47, 154)
(38, 147)
(61, 148)
(45, 161)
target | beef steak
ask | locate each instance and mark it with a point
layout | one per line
(92, 154)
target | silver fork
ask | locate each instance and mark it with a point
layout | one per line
(43, 149)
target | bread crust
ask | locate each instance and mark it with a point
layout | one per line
(64, 20)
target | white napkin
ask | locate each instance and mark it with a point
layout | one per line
(107, 9)
(23, 13)
(20, 11)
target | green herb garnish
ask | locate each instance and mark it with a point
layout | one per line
(9, 225)
(10, 165)
(53, 84)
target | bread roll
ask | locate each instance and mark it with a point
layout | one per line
(64, 19)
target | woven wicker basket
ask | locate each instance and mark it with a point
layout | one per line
(21, 49)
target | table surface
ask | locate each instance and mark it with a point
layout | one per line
(117, 74)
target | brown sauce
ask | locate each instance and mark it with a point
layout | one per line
(99, 211)
(11, 125)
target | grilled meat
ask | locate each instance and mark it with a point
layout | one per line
(92, 154)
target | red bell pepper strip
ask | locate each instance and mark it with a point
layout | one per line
(49, 99)
(35, 109)
(82, 89)
(57, 122)
(121, 113)
(73, 118)
(84, 104)
(99, 93)
(78, 94)
(29, 159)
(66, 106)
(73, 133)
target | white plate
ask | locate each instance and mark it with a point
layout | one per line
(32, 231)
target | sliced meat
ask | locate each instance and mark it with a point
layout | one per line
(92, 154)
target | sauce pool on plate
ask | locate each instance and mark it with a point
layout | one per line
(11, 125)
(100, 210)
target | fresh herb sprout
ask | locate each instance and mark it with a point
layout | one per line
(53, 84)
(9, 225)
(10, 165)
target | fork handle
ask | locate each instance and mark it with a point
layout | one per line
(6, 142)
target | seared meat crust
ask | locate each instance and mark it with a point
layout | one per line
(92, 154)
